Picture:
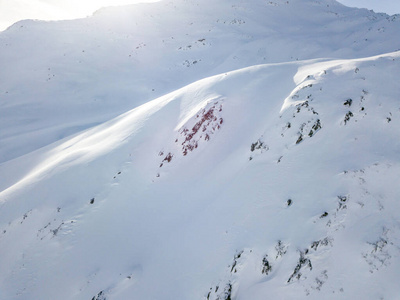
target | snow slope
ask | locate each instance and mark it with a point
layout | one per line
(59, 78)
(271, 180)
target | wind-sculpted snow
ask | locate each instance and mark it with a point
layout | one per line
(275, 180)
(60, 78)
(207, 193)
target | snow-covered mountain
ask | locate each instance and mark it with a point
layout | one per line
(201, 150)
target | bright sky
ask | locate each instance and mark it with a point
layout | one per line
(390, 7)
(12, 11)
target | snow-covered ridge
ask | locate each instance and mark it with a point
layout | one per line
(220, 155)
(265, 109)
(63, 77)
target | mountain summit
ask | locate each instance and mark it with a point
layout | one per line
(201, 150)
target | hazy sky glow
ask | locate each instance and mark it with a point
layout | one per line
(12, 11)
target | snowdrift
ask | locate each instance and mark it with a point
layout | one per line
(253, 180)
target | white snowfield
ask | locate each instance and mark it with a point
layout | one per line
(201, 150)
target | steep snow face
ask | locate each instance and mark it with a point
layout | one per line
(274, 180)
(59, 78)
(201, 150)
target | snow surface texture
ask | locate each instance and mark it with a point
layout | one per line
(201, 150)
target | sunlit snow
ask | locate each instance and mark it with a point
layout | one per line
(201, 150)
